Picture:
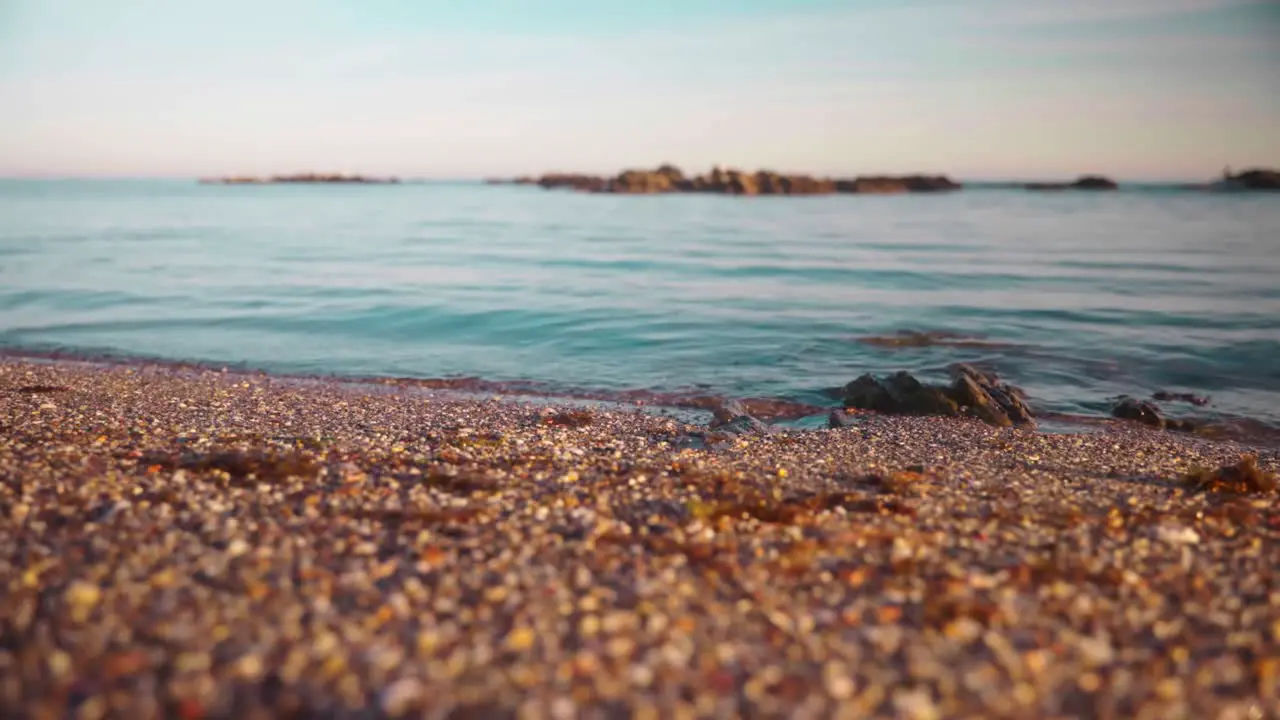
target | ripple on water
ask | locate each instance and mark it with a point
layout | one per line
(1078, 298)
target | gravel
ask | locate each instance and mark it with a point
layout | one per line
(186, 543)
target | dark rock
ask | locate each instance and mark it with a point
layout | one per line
(902, 385)
(744, 425)
(729, 182)
(1255, 179)
(1013, 401)
(969, 393)
(768, 182)
(1165, 396)
(972, 393)
(930, 183)
(668, 178)
(866, 393)
(670, 171)
(522, 180)
(909, 396)
(930, 401)
(732, 418)
(1148, 413)
(902, 184)
(985, 397)
(1085, 182)
(1138, 411)
(573, 181)
(726, 411)
(1095, 182)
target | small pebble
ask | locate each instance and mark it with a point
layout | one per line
(399, 697)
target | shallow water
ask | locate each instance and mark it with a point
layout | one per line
(1077, 297)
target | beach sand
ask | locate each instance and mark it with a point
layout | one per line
(188, 543)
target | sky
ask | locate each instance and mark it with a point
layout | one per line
(1136, 89)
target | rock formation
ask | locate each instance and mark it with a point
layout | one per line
(572, 181)
(972, 393)
(1139, 411)
(907, 183)
(729, 181)
(1255, 179)
(666, 178)
(1148, 413)
(733, 418)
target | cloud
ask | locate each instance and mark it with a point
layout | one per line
(1173, 45)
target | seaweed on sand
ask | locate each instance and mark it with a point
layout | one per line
(41, 389)
(240, 466)
(570, 419)
(1242, 478)
(723, 496)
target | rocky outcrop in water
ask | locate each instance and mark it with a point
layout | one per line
(667, 178)
(729, 181)
(1148, 413)
(733, 418)
(971, 393)
(882, 184)
(1085, 182)
(1254, 179)
(1139, 411)
(573, 181)
(985, 397)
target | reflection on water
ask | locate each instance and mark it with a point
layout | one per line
(1079, 298)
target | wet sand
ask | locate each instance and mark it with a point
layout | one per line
(186, 543)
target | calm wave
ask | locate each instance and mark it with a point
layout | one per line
(1077, 297)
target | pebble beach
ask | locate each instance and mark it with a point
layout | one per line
(187, 543)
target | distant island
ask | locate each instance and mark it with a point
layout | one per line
(1084, 182)
(1256, 179)
(300, 178)
(670, 179)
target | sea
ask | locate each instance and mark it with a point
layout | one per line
(1077, 297)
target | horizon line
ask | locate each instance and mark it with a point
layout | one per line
(508, 177)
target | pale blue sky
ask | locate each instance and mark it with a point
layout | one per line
(466, 88)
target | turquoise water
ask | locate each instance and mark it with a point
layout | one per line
(1079, 297)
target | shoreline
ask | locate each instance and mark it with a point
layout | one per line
(695, 405)
(206, 544)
